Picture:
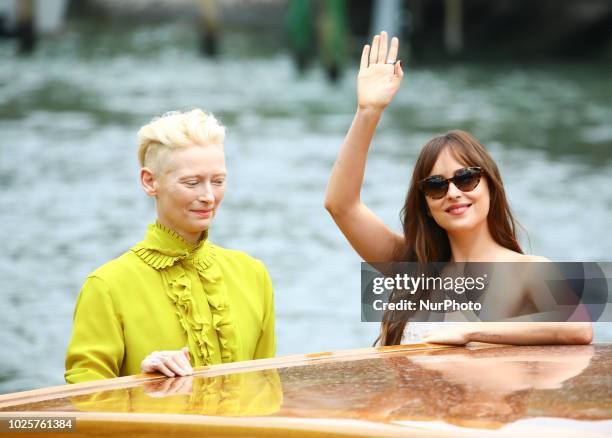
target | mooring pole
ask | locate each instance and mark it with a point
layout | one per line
(453, 26)
(25, 31)
(209, 27)
(333, 33)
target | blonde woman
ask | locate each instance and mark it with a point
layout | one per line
(174, 300)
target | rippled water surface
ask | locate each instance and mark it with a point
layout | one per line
(71, 200)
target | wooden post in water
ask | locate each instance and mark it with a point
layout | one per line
(332, 30)
(209, 27)
(25, 31)
(453, 26)
(300, 29)
(328, 20)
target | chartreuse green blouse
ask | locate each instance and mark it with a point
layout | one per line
(165, 294)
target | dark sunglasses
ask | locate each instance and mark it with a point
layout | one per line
(466, 180)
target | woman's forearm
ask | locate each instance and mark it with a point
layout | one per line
(378, 81)
(532, 333)
(347, 174)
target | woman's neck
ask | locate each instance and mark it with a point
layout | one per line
(192, 238)
(476, 245)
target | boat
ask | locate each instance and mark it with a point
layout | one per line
(420, 390)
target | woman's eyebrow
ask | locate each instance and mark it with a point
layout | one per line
(453, 173)
(200, 175)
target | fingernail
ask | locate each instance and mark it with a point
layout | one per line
(399, 61)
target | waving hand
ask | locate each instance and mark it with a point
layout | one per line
(380, 74)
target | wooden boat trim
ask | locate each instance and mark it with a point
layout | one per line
(42, 394)
(277, 426)
(231, 426)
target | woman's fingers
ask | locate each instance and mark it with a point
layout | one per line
(184, 363)
(382, 48)
(398, 69)
(179, 360)
(364, 57)
(393, 50)
(380, 52)
(149, 364)
(374, 49)
(175, 363)
(453, 337)
(160, 366)
(185, 359)
(169, 363)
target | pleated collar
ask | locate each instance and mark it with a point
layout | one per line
(162, 247)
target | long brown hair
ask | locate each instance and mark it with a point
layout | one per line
(424, 240)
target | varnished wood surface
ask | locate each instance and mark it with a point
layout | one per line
(418, 390)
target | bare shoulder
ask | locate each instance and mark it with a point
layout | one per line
(513, 256)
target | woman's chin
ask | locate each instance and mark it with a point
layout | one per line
(202, 225)
(459, 226)
(198, 225)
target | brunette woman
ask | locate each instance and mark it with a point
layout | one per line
(455, 211)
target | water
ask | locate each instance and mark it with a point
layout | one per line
(71, 199)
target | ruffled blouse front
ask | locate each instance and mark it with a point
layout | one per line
(167, 252)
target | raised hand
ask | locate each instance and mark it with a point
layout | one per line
(380, 74)
(170, 363)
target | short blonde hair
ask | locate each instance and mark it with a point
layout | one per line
(176, 130)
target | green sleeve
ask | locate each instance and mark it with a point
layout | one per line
(97, 346)
(266, 345)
